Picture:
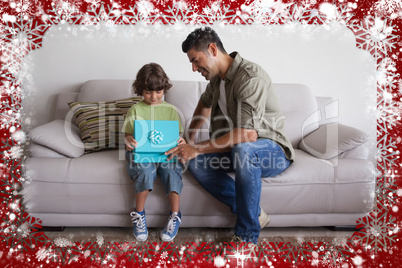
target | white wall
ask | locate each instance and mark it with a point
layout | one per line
(323, 57)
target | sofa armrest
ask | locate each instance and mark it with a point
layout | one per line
(60, 136)
(36, 150)
(331, 140)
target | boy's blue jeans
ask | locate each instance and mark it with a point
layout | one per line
(144, 175)
(250, 161)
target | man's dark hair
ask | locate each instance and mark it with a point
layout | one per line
(151, 77)
(200, 39)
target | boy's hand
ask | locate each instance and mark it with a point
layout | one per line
(130, 142)
(181, 141)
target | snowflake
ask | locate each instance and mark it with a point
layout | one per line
(99, 239)
(25, 33)
(110, 14)
(243, 253)
(219, 261)
(340, 14)
(189, 251)
(266, 12)
(387, 112)
(62, 242)
(333, 254)
(376, 231)
(10, 113)
(178, 13)
(216, 13)
(62, 13)
(11, 167)
(42, 254)
(386, 192)
(20, 35)
(15, 152)
(375, 35)
(386, 153)
(386, 73)
(300, 14)
(21, 232)
(295, 252)
(389, 8)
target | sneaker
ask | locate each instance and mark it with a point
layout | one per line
(263, 219)
(139, 225)
(236, 239)
(172, 227)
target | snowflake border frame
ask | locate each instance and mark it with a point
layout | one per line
(23, 35)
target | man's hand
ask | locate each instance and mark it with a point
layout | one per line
(183, 152)
(181, 141)
(130, 142)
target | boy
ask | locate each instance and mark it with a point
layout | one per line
(152, 83)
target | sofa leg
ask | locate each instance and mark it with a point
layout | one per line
(53, 228)
(344, 228)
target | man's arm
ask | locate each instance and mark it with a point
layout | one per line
(201, 114)
(222, 144)
(227, 141)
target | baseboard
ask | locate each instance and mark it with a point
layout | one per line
(53, 228)
(343, 228)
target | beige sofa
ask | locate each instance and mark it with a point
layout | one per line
(331, 182)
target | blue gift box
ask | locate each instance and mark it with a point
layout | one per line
(154, 138)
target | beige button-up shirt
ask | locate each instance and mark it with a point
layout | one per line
(251, 104)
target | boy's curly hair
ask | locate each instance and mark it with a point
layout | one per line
(151, 77)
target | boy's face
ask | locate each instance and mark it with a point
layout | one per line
(153, 97)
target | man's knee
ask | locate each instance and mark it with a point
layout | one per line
(241, 149)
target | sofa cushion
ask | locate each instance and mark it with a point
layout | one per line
(332, 139)
(60, 136)
(100, 123)
(360, 152)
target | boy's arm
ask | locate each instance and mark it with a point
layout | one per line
(130, 142)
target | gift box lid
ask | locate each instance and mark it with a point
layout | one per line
(155, 136)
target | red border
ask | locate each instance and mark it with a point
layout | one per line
(194, 254)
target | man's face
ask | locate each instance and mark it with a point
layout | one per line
(203, 62)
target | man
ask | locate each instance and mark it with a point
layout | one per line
(246, 131)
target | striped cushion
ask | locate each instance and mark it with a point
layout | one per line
(100, 122)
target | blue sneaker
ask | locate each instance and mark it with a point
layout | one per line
(172, 227)
(139, 225)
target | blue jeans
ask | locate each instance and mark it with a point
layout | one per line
(144, 175)
(250, 161)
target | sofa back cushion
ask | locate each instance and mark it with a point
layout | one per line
(105, 90)
(93, 91)
(185, 95)
(299, 106)
(297, 102)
